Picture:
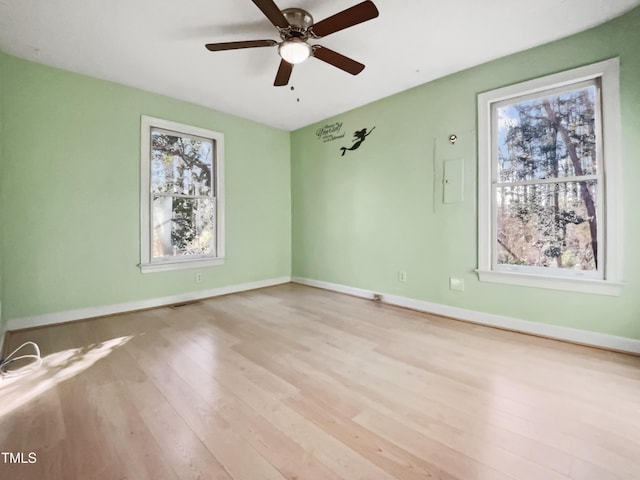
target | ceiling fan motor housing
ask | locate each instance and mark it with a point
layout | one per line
(299, 20)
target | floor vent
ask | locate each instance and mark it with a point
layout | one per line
(184, 304)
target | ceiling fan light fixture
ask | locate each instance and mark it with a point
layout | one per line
(294, 51)
(295, 27)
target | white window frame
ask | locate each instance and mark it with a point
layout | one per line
(147, 262)
(610, 186)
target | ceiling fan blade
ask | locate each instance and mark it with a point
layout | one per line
(272, 12)
(217, 47)
(347, 18)
(283, 75)
(337, 60)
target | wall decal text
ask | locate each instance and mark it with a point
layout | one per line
(330, 132)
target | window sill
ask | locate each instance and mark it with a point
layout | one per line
(581, 285)
(180, 264)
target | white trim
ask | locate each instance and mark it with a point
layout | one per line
(146, 263)
(92, 312)
(612, 246)
(180, 264)
(583, 337)
(561, 79)
(613, 180)
(335, 287)
(581, 285)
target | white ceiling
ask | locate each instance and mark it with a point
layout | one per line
(158, 45)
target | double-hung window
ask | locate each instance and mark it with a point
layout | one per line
(182, 196)
(549, 182)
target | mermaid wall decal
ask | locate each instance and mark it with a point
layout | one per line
(360, 136)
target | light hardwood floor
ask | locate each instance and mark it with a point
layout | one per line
(299, 383)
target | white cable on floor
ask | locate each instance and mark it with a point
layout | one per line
(27, 369)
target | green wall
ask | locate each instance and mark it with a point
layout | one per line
(2, 316)
(70, 194)
(358, 219)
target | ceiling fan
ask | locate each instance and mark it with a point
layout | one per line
(296, 27)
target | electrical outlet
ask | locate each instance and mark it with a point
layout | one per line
(198, 277)
(402, 276)
(456, 284)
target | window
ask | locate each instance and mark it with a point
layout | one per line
(549, 182)
(182, 196)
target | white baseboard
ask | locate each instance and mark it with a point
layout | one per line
(584, 337)
(92, 312)
(574, 335)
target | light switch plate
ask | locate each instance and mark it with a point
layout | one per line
(456, 284)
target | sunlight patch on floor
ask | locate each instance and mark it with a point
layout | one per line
(56, 367)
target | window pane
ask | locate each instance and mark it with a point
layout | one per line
(547, 137)
(183, 226)
(548, 225)
(181, 164)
